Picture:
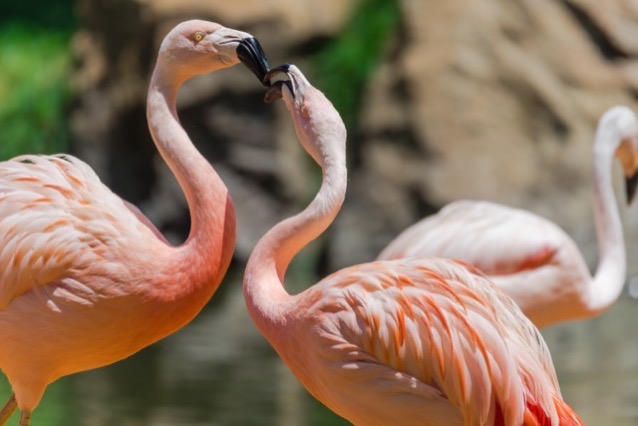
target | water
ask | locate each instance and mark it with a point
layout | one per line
(597, 365)
(220, 371)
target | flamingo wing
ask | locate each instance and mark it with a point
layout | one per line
(56, 218)
(497, 239)
(445, 330)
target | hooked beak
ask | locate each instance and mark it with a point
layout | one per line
(274, 92)
(631, 183)
(251, 54)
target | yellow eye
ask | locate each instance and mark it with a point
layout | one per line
(199, 36)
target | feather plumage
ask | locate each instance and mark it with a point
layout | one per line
(437, 324)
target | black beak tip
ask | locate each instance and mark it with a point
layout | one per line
(273, 72)
(274, 92)
(275, 88)
(631, 183)
(251, 54)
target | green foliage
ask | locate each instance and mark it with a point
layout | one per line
(34, 64)
(321, 415)
(48, 14)
(344, 66)
(54, 409)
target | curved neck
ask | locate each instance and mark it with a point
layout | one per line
(208, 249)
(609, 277)
(264, 291)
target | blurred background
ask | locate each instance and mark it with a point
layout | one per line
(443, 100)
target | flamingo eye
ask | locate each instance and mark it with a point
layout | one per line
(199, 36)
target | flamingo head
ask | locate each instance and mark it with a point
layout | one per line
(200, 47)
(317, 122)
(626, 125)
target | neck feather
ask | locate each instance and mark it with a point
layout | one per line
(264, 291)
(201, 262)
(609, 277)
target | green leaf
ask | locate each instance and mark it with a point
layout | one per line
(34, 65)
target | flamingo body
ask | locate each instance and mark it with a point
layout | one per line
(85, 279)
(531, 258)
(421, 342)
(74, 255)
(410, 341)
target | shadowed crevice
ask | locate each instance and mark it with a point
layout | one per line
(597, 35)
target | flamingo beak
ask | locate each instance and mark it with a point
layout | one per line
(631, 183)
(274, 92)
(251, 54)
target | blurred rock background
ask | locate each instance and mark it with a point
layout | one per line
(459, 100)
(443, 100)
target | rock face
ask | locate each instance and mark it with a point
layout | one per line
(494, 101)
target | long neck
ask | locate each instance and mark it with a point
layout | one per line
(201, 262)
(609, 277)
(264, 292)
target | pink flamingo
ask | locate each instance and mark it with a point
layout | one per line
(85, 279)
(409, 341)
(531, 258)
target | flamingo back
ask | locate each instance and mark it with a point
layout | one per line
(57, 217)
(434, 337)
(497, 239)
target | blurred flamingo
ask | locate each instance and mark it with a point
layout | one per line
(85, 279)
(531, 258)
(409, 341)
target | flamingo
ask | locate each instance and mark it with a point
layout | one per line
(410, 341)
(531, 258)
(85, 279)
